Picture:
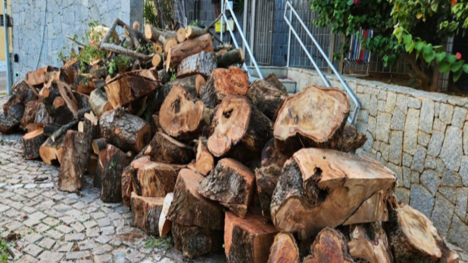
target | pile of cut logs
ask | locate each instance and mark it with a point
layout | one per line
(219, 162)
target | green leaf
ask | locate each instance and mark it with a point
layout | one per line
(419, 45)
(429, 57)
(434, 6)
(408, 38)
(350, 2)
(457, 75)
(452, 58)
(409, 48)
(457, 66)
(465, 68)
(444, 67)
(440, 57)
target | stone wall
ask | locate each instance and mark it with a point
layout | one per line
(423, 138)
(40, 27)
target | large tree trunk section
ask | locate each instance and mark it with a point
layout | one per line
(230, 58)
(182, 116)
(29, 114)
(329, 246)
(191, 84)
(224, 82)
(127, 185)
(201, 63)
(126, 131)
(273, 80)
(153, 179)
(328, 186)
(266, 98)
(414, 238)
(231, 184)
(98, 145)
(247, 239)
(369, 242)
(24, 92)
(204, 162)
(164, 224)
(129, 87)
(76, 147)
(236, 122)
(284, 249)
(195, 241)
(146, 212)
(372, 208)
(314, 117)
(32, 141)
(42, 116)
(10, 120)
(192, 46)
(266, 180)
(99, 103)
(114, 163)
(189, 208)
(272, 156)
(164, 149)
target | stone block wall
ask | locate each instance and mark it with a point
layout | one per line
(40, 27)
(423, 138)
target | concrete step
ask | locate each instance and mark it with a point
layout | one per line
(290, 85)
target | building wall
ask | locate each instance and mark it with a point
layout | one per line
(40, 27)
(2, 35)
(423, 138)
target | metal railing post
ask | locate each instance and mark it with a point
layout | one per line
(7, 46)
(289, 40)
(223, 11)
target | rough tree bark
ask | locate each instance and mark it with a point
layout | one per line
(195, 241)
(114, 162)
(192, 46)
(201, 63)
(146, 212)
(32, 141)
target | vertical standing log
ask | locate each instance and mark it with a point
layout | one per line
(146, 212)
(114, 163)
(32, 141)
(204, 162)
(329, 246)
(127, 185)
(74, 161)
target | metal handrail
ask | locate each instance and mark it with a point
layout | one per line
(292, 11)
(244, 40)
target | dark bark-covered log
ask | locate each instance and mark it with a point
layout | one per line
(284, 249)
(97, 180)
(153, 179)
(164, 149)
(414, 238)
(51, 150)
(329, 246)
(146, 212)
(266, 179)
(60, 102)
(351, 140)
(29, 114)
(42, 116)
(230, 58)
(126, 131)
(247, 239)
(89, 128)
(191, 84)
(273, 80)
(130, 86)
(32, 141)
(189, 208)
(164, 76)
(272, 156)
(329, 186)
(224, 82)
(76, 147)
(192, 46)
(204, 162)
(314, 117)
(83, 103)
(10, 119)
(231, 184)
(164, 223)
(92, 164)
(182, 115)
(266, 98)
(201, 63)
(24, 92)
(114, 163)
(195, 241)
(84, 83)
(369, 242)
(127, 185)
(238, 125)
(98, 145)
(99, 103)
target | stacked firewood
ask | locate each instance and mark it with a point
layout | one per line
(219, 161)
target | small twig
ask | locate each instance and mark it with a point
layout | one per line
(76, 41)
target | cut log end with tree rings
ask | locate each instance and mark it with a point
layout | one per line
(317, 115)
(284, 249)
(369, 242)
(157, 60)
(158, 47)
(181, 35)
(329, 246)
(32, 142)
(231, 184)
(146, 212)
(232, 81)
(169, 44)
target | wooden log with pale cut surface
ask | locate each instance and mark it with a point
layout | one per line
(164, 224)
(146, 212)
(224, 82)
(187, 48)
(40, 76)
(168, 44)
(194, 31)
(113, 165)
(29, 114)
(314, 117)
(127, 185)
(230, 58)
(153, 179)
(126, 131)
(369, 242)
(98, 145)
(164, 149)
(266, 179)
(182, 115)
(130, 86)
(240, 130)
(157, 61)
(201, 63)
(272, 156)
(51, 150)
(231, 184)
(189, 208)
(32, 141)
(329, 186)
(194, 241)
(284, 249)
(158, 48)
(75, 157)
(266, 98)
(414, 238)
(181, 35)
(204, 162)
(247, 239)
(329, 246)
(191, 84)
(99, 103)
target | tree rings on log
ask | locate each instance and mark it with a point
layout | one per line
(329, 246)
(369, 242)
(284, 249)
(32, 142)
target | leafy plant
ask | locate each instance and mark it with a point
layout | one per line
(174, 74)
(3, 252)
(164, 242)
(150, 14)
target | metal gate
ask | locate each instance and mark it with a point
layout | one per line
(263, 28)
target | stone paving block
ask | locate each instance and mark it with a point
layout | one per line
(104, 222)
(106, 258)
(33, 237)
(54, 234)
(77, 255)
(74, 237)
(51, 221)
(102, 249)
(64, 229)
(27, 259)
(48, 256)
(135, 256)
(33, 250)
(47, 243)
